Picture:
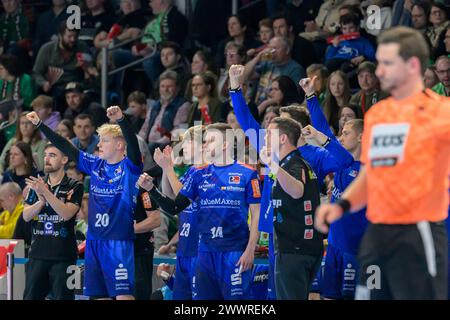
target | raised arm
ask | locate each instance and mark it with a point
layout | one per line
(115, 114)
(318, 119)
(61, 143)
(241, 110)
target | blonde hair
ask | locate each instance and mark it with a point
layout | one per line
(194, 131)
(110, 129)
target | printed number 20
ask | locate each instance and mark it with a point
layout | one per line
(102, 220)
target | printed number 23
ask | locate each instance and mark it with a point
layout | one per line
(102, 220)
(216, 232)
(185, 230)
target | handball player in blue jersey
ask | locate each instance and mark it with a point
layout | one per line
(224, 190)
(113, 194)
(330, 158)
(188, 237)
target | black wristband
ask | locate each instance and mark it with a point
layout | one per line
(235, 90)
(344, 204)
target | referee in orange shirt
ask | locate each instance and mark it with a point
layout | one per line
(404, 181)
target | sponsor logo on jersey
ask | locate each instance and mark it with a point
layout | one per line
(234, 179)
(353, 173)
(220, 202)
(276, 203)
(309, 220)
(205, 186)
(387, 144)
(255, 188)
(309, 234)
(307, 206)
(232, 188)
(261, 277)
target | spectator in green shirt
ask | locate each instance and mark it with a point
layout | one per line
(15, 85)
(443, 73)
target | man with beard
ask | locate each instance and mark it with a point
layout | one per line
(56, 63)
(51, 204)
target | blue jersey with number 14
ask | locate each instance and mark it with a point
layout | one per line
(112, 197)
(224, 194)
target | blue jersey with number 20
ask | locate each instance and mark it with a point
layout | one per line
(112, 197)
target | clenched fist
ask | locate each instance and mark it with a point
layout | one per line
(33, 117)
(236, 72)
(114, 113)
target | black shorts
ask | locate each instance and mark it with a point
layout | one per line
(47, 279)
(403, 262)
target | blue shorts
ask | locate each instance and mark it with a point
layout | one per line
(339, 276)
(184, 285)
(316, 285)
(109, 268)
(260, 276)
(217, 277)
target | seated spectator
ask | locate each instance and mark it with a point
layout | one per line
(14, 84)
(96, 21)
(336, 97)
(167, 25)
(237, 33)
(131, 24)
(232, 121)
(21, 164)
(300, 11)
(65, 129)
(320, 84)
(171, 59)
(419, 14)
(234, 54)
(207, 107)
(265, 33)
(9, 112)
(430, 77)
(56, 64)
(283, 92)
(15, 37)
(201, 62)
(348, 113)
(48, 23)
(166, 114)
(348, 54)
(370, 92)
(443, 73)
(327, 21)
(439, 23)
(271, 112)
(73, 172)
(11, 202)
(302, 50)
(279, 63)
(28, 133)
(85, 138)
(43, 106)
(79, 103)
(385, 16)
(137, 110)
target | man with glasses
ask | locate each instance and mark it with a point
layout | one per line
(443, 73)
